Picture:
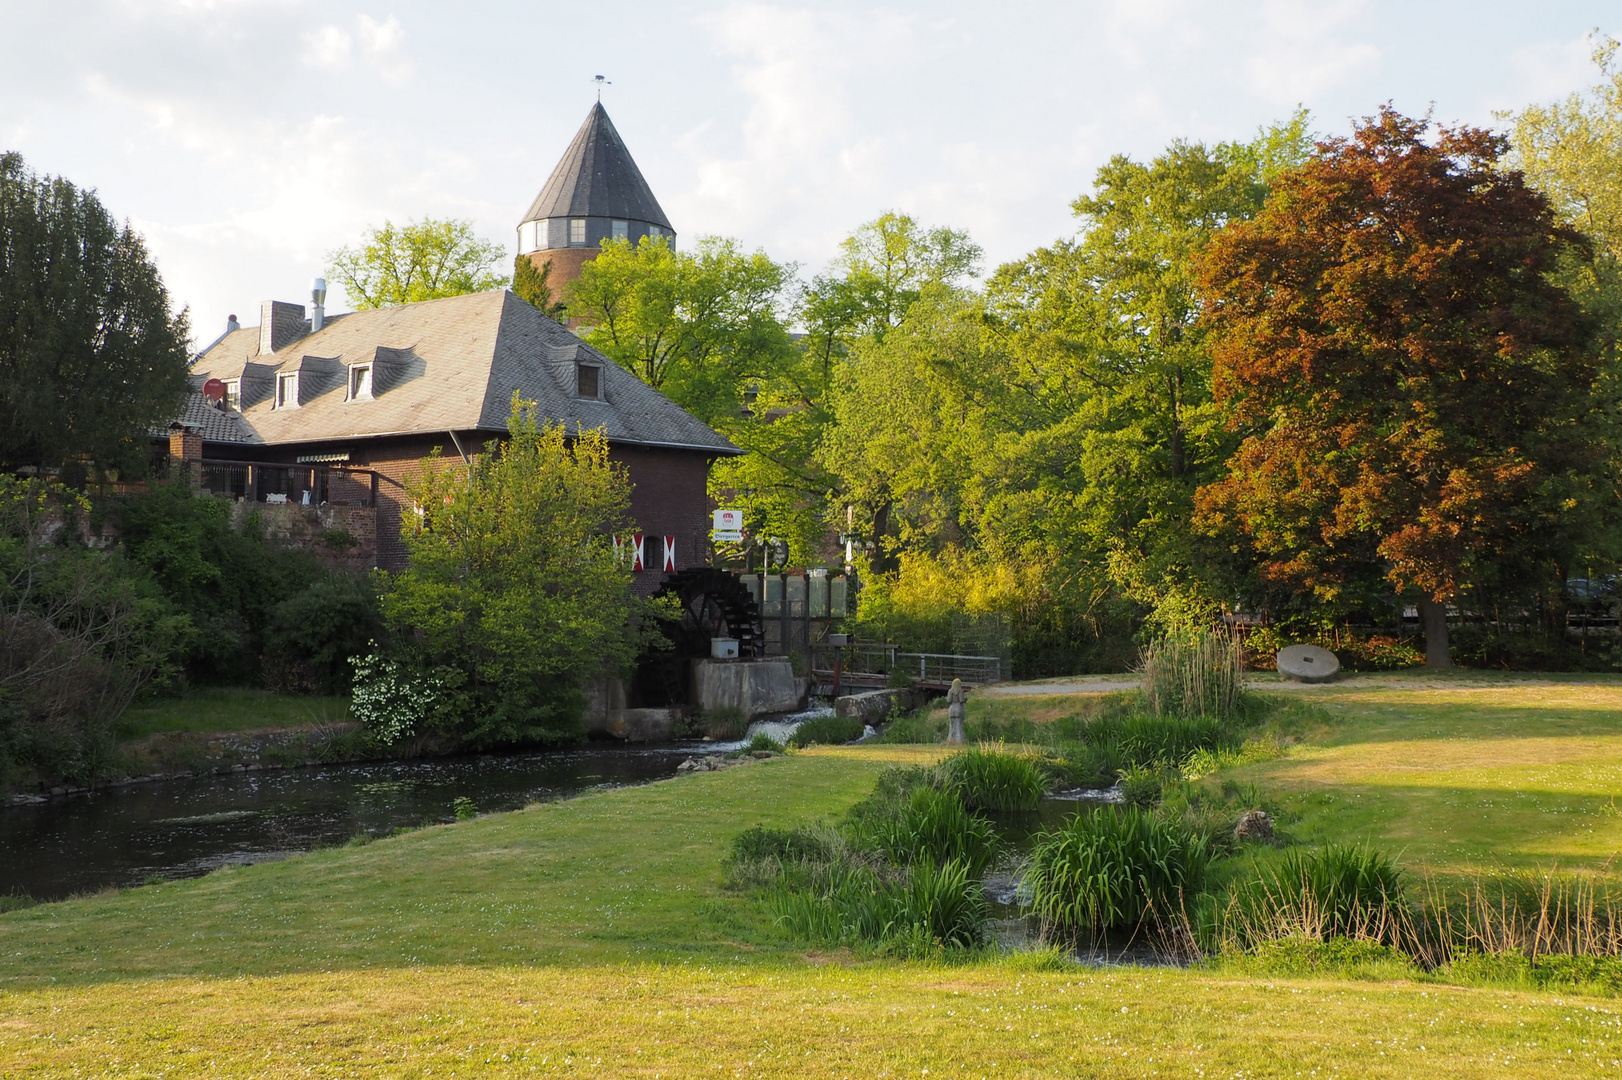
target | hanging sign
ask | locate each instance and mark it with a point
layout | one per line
(670, 554)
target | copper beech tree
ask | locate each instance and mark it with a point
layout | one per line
(1410, 382)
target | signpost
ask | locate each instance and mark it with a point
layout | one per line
(728, 527)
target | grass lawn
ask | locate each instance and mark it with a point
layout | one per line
(231, 708)
(592, 937)
(1461, 774)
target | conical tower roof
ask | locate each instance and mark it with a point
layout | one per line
(597, 178)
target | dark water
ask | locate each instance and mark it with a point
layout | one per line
(185, 828)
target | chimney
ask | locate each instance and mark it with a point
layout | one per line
(280, 324)
(231, 324)
(318, 303)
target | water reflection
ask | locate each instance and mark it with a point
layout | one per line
(184, 828)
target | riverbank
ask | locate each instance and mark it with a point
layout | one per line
(594, 936)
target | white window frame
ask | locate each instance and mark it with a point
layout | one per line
(620, 230)
(284, 400)
(577, 232)
(355, 372)
(598, 368)
(233, 394)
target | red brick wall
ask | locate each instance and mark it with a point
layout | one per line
(668, 496)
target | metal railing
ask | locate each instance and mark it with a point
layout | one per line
(875, 665)
(272, 482)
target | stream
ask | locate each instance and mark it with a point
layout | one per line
(116, 837)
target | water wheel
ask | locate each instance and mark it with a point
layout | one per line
(714, 604)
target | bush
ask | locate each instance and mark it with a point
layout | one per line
(312, 635)
(762, 741)
(391, 701)
(827, 731)
(1141, 785)
(1108, 870)
(990, 779)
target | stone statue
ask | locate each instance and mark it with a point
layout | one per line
(954, 711)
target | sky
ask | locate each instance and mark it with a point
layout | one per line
(247, 139)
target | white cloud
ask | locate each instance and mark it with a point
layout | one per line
(327, 47)
(384, 45)
(1548, 70)
(1304, 47)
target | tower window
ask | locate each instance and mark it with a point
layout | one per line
(287, 391)
(587, 380)
(360, 382)
(233, 394)
(620, 229)
(528, 234)
(577, 230)
(654, 230)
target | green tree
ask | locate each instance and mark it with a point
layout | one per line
(513, 582)
(1121, 429)
(422, 260)
(1413, 386)
(697, 325)
(534, 287)
(90, 357)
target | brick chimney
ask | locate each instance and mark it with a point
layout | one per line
(186, 452)
(280, 324)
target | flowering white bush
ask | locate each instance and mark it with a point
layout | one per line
(391, 701)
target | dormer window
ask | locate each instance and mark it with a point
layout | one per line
(620, 229)
(287, 391)
(577, 230)
(588, 380)
(360, 382)
(233, 394)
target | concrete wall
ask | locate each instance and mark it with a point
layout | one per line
(753, 687)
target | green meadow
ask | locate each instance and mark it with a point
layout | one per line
(594, 937)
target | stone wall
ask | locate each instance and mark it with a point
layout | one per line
(344, 537)
(753, 687)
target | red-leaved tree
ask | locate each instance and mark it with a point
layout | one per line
(1412, 384)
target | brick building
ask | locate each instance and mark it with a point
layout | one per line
(338, 412)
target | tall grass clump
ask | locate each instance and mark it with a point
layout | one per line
(1197, 675)
(827, 731)
(933, 826)
(990, 778)
(1108, 871)
(925, 909)
(1337, 891)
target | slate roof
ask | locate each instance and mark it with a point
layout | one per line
(438, 366)
(597, 178)
(215, 425)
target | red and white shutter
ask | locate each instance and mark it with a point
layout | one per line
(618, 553)
(637, 559)
(670, 554)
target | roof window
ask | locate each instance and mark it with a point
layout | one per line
(360, 382)
(287, 391)
(654, 230)
(620, 229)
(577, 230)
(233, 394)
(588, 380)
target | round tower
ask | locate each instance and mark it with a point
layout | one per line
(595, 193)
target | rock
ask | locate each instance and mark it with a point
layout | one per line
(239, 767)
(1307, 663)
(1254, 825)
(59, 791)
(690, 765)
(761, 755)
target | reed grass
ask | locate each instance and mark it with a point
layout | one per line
(1197, 675)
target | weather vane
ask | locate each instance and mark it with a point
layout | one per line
(601, 81)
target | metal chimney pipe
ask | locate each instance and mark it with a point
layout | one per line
(231, 324)
(318, 302)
